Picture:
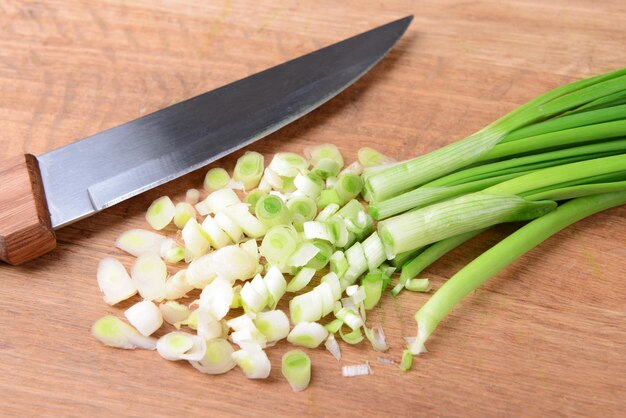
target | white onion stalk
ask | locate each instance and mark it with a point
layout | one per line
(217, 297)
(274, 325)
(253, 362)
(177, 286)
(197, 241)
(174, 312)
(171, 252)
(217, 358)
(376, 336)
(355, 370)
(113, 281)
(301, 279)
(139, 242)
(183, 211)
(307, 334)
(303, 254)
(333, 347)
(217, 237)
(181, 346)
(145, 316)
(111, 331)
(296, 367)
(160, 213)
(192, 196)
(226, 224)
(148, 274)
(219, 200)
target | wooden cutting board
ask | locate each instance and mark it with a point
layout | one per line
(546, 337)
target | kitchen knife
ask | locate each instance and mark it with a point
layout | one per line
(42, 193)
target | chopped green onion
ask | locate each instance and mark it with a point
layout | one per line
(334, 284)
(181, 346)
(220, 200)
(374, 251)
(231, 262)
(357, 264)
(354, 370)
(251, 299)
(174, 312)
(301, 209)
(217, 357)
(216, 297)
(334, 325)
(373, 283)
(251, 247)
(353, 168)
(113, 281)
(249, 169)
(407, 360)
(376, 336)
(316, 229)
(160, 213)
(326, 213)
(296, 367)
(273, 324)
(145, 316)
(353, 337)
(272, 178)
(329, 197)
(177, 286)
(111, 331)
(327, 167)
(271, 211)
(192, 196)
(139, 241)
(369, 157)
(307, 334)
(171, 252)
(339, 264)
(276, 286)
(288, 164)
(217, 237)
(321, 259)
(215, 179)
(301, 279)
(348, 186)
(183, 211)
(230, 227)
(197, 241)
(418, 285)
(253, 196)
(191, 321)
(278, 244)
(248, 223)
(306, 307)
(350, 318)
(246, 332)
(309, 184)
(304, 253)
(253, 362)
(148, 274)
(332, 346)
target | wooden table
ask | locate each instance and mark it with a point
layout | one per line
(546, 337)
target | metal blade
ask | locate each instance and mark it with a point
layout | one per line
(99, 171)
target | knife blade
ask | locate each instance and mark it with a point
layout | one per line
(87, 176)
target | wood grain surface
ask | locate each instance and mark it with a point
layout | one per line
(546, 337)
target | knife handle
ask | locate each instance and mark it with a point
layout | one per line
(25, 229)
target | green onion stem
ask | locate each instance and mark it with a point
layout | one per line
(271, 210)
(501, 255)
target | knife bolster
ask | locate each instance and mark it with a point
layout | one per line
(25, 229)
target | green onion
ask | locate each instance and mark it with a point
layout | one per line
(215, 179)
(183, 211)
(309, 184)
(332, 347)
(502, 254)
(296, 367)
(273, 324)
(329, 197)
(181, 346)
(217, 237)
(369, 157)
(418, 285)
(407, 361)
(402, 177)
(253, 197)
(307, 334)
(148, 274)
(322, 258)
(334, 325)
(271, 210)
(373, 283)
(374, 251)
(160, 213)
(249, 169)
(113, 281)
(348, 186)
(278, 244)
(111, 331)
(253, 361)
(217, 358)
(326, 213)
(288, 164)
(145, 316)
(338, 263)
(326, 159)
(304, 253)
(174, 312)
(352, 337)
(302, 209)
(301, 279)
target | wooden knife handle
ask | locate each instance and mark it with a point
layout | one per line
(25, 230)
